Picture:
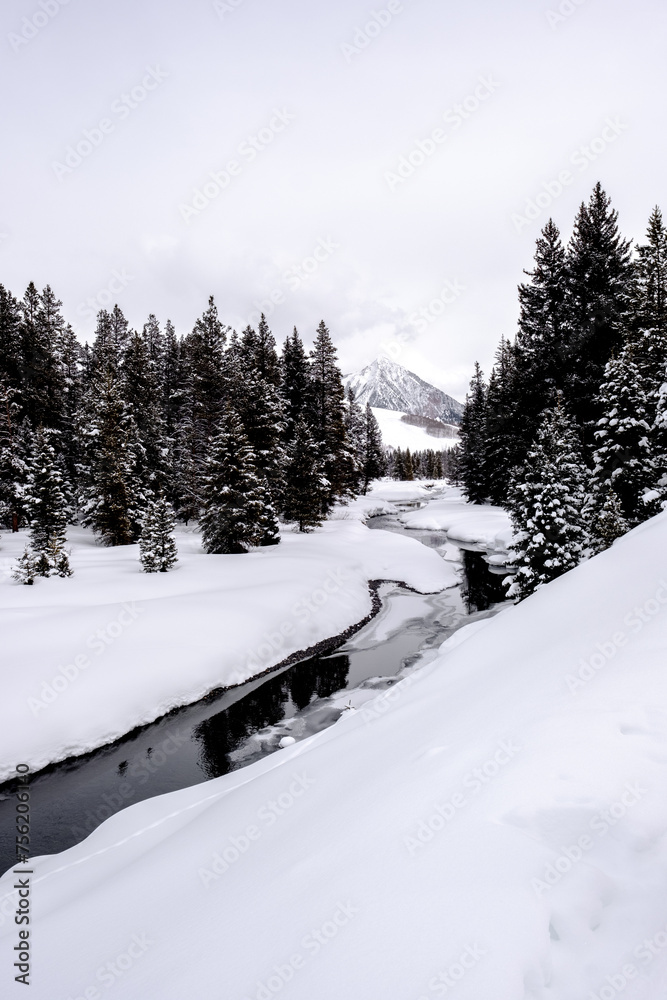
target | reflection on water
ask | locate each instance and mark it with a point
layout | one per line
(278, 698)
(481, 588)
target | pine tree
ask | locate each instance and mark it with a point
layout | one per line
(259, 406)
(25, 570)
(606, 522)
(600, 290)
(547, 502)
(648, 326)
(501, 448)
(327, 418)
(111, 498)
(204, 374)
(374, 460)
(11, 347)
(623, 451)
(15, 443)
(305, 486)
(650, 301)
(42, 328)
(355, 429)
(45, 500)
(142, 393)
(472, 439)
(295, 384)
(157, 546)
(542, 343)
(186, 489)
(237, 511)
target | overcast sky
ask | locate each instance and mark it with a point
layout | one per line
(306, 111)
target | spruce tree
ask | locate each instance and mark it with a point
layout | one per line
(547, 501)
(11, 360)
(600, 291)
(295, 384)
(650, 298)
(648, 326)
(501, 448)
(472, 439)
(45, 500)
(543, 339)
(355, 428)
(237, 510)
(374, 460)
(327, 418)
(305, 485)
(623, 460)
(157, 546)
(25, 570)
(111, 498)
(606, 521)
(15, 444)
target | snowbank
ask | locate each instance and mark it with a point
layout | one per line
(396, 433)
(478, 526)
(89, 658)
(402, 491)
(493, 828)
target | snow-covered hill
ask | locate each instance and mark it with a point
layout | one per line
(397, 434)
(390, 386)
(491, 828)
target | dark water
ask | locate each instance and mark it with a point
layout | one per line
(235, 728)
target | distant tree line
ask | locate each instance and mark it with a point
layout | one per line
(139, 428)
(427, 463)
(569, 434)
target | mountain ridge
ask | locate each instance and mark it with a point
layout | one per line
(387, 385)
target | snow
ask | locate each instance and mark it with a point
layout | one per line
(491, 827)
(400, 435)
(397, 491)
(383, 497)
(477, 526)
(113, 648)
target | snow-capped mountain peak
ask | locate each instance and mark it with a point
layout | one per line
(386, 384)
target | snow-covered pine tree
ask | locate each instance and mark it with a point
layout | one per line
(259, 406)
(502, 451)
(472, 439)
(374, 460)
(157, 546)
(187, 483)
(42, 327)
(650, 298)
(623, 459)
(111, 499)
(547, 500)
(295, 384)
(15, 445)
(600, 291)
(542, 343)
(355, 428)
(606, 521)
(25, 571)
(306, 488)
(46, 504)
(204, 373)
(237, 511)
(11, 361)
(327, 418)
(142, 393)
